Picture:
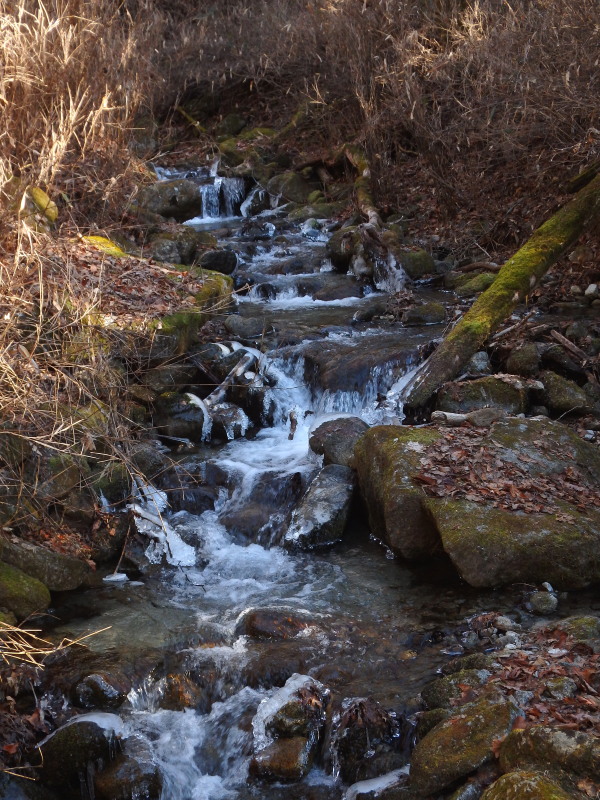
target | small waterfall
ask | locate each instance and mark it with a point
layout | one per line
(234, 191)
(211, 198)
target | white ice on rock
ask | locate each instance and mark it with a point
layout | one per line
(271, 705)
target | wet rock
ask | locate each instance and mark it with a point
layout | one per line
(563, 396)
(290, 186)
(416, 263)
(427, 720)
(272, 623)
(386, 458)
(526, 786)
(179, 244)
(223, 261)
(132, 775)
(257, 201)
(465, 396)
(335, 439)
(426, 314)
(297, 709)
(442, 692)
(320, 518)
(104, 691)
(341, 247)
(177, 199)
(73, 754)
(229, 422)
(392, 786)
(461, 744)
(285, 760)
(524, 360)
(21, 594)
(365, 736)
(148, 459)
(180, 691)
(476, 661)
(179, 417)
(59, 572)
(542, 747)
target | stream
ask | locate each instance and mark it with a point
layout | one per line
(353, 617)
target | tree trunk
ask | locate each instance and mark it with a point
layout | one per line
(515, 281)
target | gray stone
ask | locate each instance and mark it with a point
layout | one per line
(543, 603)
(223, 261)
(335, 439)
(177, 199)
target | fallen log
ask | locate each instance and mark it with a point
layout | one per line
(519, 275)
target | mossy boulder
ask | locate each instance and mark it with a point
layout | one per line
(476, 285)
(563, 396)
(545, 748)
(134, 773)
(464, 396)
(416, 263)
(582, 629)
(427, 314)
(386, 459)
(59, 572)
(321, 210)
(111, 481)
(335, 439)
(460, 744)
(59, 474)
(20, 593)
(170, 377)
(441, 692)
(223, 261)
(493, 547)
(291, 187)
(182, 245)
(178, 199)
(231, 155)
(521, 785)
(231, 125)
(524, 360)
(341, 247)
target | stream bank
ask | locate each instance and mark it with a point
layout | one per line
(225, 606)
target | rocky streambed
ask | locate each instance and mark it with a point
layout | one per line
(295, 564)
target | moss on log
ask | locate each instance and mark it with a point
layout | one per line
(362, 185)
(519, 275)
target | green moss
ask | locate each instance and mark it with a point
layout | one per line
(581, 628)
(526, 786)
(106, 245)
(257, 133)
(476, 285)
(441, 692)
(21, 594)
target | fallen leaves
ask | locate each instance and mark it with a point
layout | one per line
(459, 466)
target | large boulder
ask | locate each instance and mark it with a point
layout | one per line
(73, 754)
(59, 572)
(501, 501)
(461, 744)
(545, 748)
(178, 199)
(494, 547)
(20, 593)
(386, 459)
(563, 396)
(290, 186)
(320, 518)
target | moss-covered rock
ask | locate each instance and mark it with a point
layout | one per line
(181, 245)
(74, 752)
(106, 246)
(524, 360)
(563, 396)
(170, 377)
(60, 473)
(231, 125)
(416, 263)
(341, 247)
(315, 211)
(427, 720)
(476, 284)
(493, 547)
(14, 449)
(386, 458)
(441, 692)
(522, 785)
(59, 572)
(112, 481)
(461, 744)
(464, 396)
(20, 593)
(427, 314)
(581, 629)
(290, 186)
(546, 748)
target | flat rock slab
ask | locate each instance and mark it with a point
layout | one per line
(59, 572)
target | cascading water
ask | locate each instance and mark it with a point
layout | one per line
(222, 568)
